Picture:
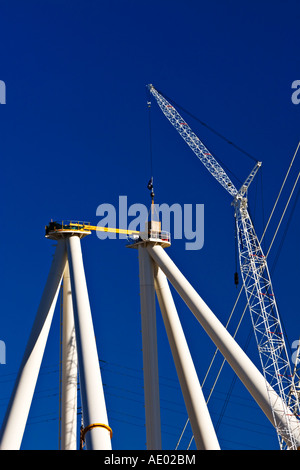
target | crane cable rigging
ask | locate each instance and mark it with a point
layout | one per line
(150, 182)
(296, 371)
(211, 129)
(150, 137)
(256, 278)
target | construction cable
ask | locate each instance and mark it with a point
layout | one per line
(286, 230)
(222, 365)
(221, 136)
(242, 288)
(150, 138)
(272, 212)
(279, 194)
(278, 226)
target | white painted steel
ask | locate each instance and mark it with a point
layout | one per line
(69, 370)
(202, 427)
(253, 380)
(150, 360)
(17, 413)
(91, 388)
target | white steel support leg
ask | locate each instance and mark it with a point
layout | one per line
(69, 370)
(17, 413)
(92, 396)
(253, 380)
(150, 360)
(202, 427)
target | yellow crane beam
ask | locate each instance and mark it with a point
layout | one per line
(102, 229)
(66, 226)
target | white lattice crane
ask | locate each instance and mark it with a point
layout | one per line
(257, 283)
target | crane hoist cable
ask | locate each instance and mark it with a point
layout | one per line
(150, 182)
(150, 136)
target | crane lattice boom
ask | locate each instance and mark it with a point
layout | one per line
(194, 142)
(257, 283)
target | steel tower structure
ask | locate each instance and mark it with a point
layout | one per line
(79, 348)
(258, 287)
(155, 272)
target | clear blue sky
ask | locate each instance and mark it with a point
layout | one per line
(74, 134)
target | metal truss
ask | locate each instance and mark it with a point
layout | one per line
(194, 142)
(266, 321)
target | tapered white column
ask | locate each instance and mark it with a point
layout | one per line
(95, 418)
(202, 427)
(233, 353)
(17, 413)
(69, 370)
(149, 341)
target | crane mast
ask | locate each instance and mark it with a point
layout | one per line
(256, 280)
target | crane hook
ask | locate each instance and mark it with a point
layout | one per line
(150, 187)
